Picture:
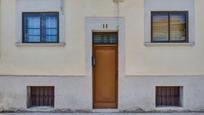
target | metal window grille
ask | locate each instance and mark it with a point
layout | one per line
(168, 96)
(42, 96)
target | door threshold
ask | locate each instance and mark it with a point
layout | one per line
(105, 110)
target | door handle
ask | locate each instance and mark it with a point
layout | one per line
(93, 61)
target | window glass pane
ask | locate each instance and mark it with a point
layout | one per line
(41, 27)
(33, 38)
(51, 21)
(105, 38)
(160, 27)
(51, 28)
(51, 32)
(33, 21)
(177, 27)
(51, 38)
(32, 29)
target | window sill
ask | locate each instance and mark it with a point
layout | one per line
(40, 44)
(169, 44)
(41, 108)
(169, 108)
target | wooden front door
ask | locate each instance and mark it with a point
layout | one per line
(105, 64)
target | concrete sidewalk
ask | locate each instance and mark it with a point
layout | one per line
(101, 113)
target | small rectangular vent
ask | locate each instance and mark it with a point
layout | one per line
(168, 96)
(41, 96)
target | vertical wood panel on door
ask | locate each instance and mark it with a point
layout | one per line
(105, 73)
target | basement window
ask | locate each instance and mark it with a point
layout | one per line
(40, 96)
(168, 96)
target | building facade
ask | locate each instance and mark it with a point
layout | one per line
(88, 55)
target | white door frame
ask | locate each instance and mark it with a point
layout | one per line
(107, 24)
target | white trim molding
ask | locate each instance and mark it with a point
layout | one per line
(95, 24)
(169, 5)
(18, 44)
(42, 76)
(169, 44)
(164, 76)
(39, 6)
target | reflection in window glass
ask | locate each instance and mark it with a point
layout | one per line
(177, 27)
(169, 26)
(51, 28)
(105, 38)
(41, 27)
(160, 27)
(32, 28)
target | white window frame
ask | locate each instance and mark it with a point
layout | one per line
(169, 5)
(39, 6)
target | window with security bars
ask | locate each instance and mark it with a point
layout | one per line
(169, 26)
(41, 96)
(168, 96)
(40, 27)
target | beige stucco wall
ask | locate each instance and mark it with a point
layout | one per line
(0, 22)
(70, 59)
(146, 66)
(68, 92)
(136, 94)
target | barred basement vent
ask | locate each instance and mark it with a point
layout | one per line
(168, 96)
(40, 96)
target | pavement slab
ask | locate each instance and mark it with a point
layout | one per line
(101, 113)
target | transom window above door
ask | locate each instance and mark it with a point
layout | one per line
(169, 26)
(41, 27)
(105, 37)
